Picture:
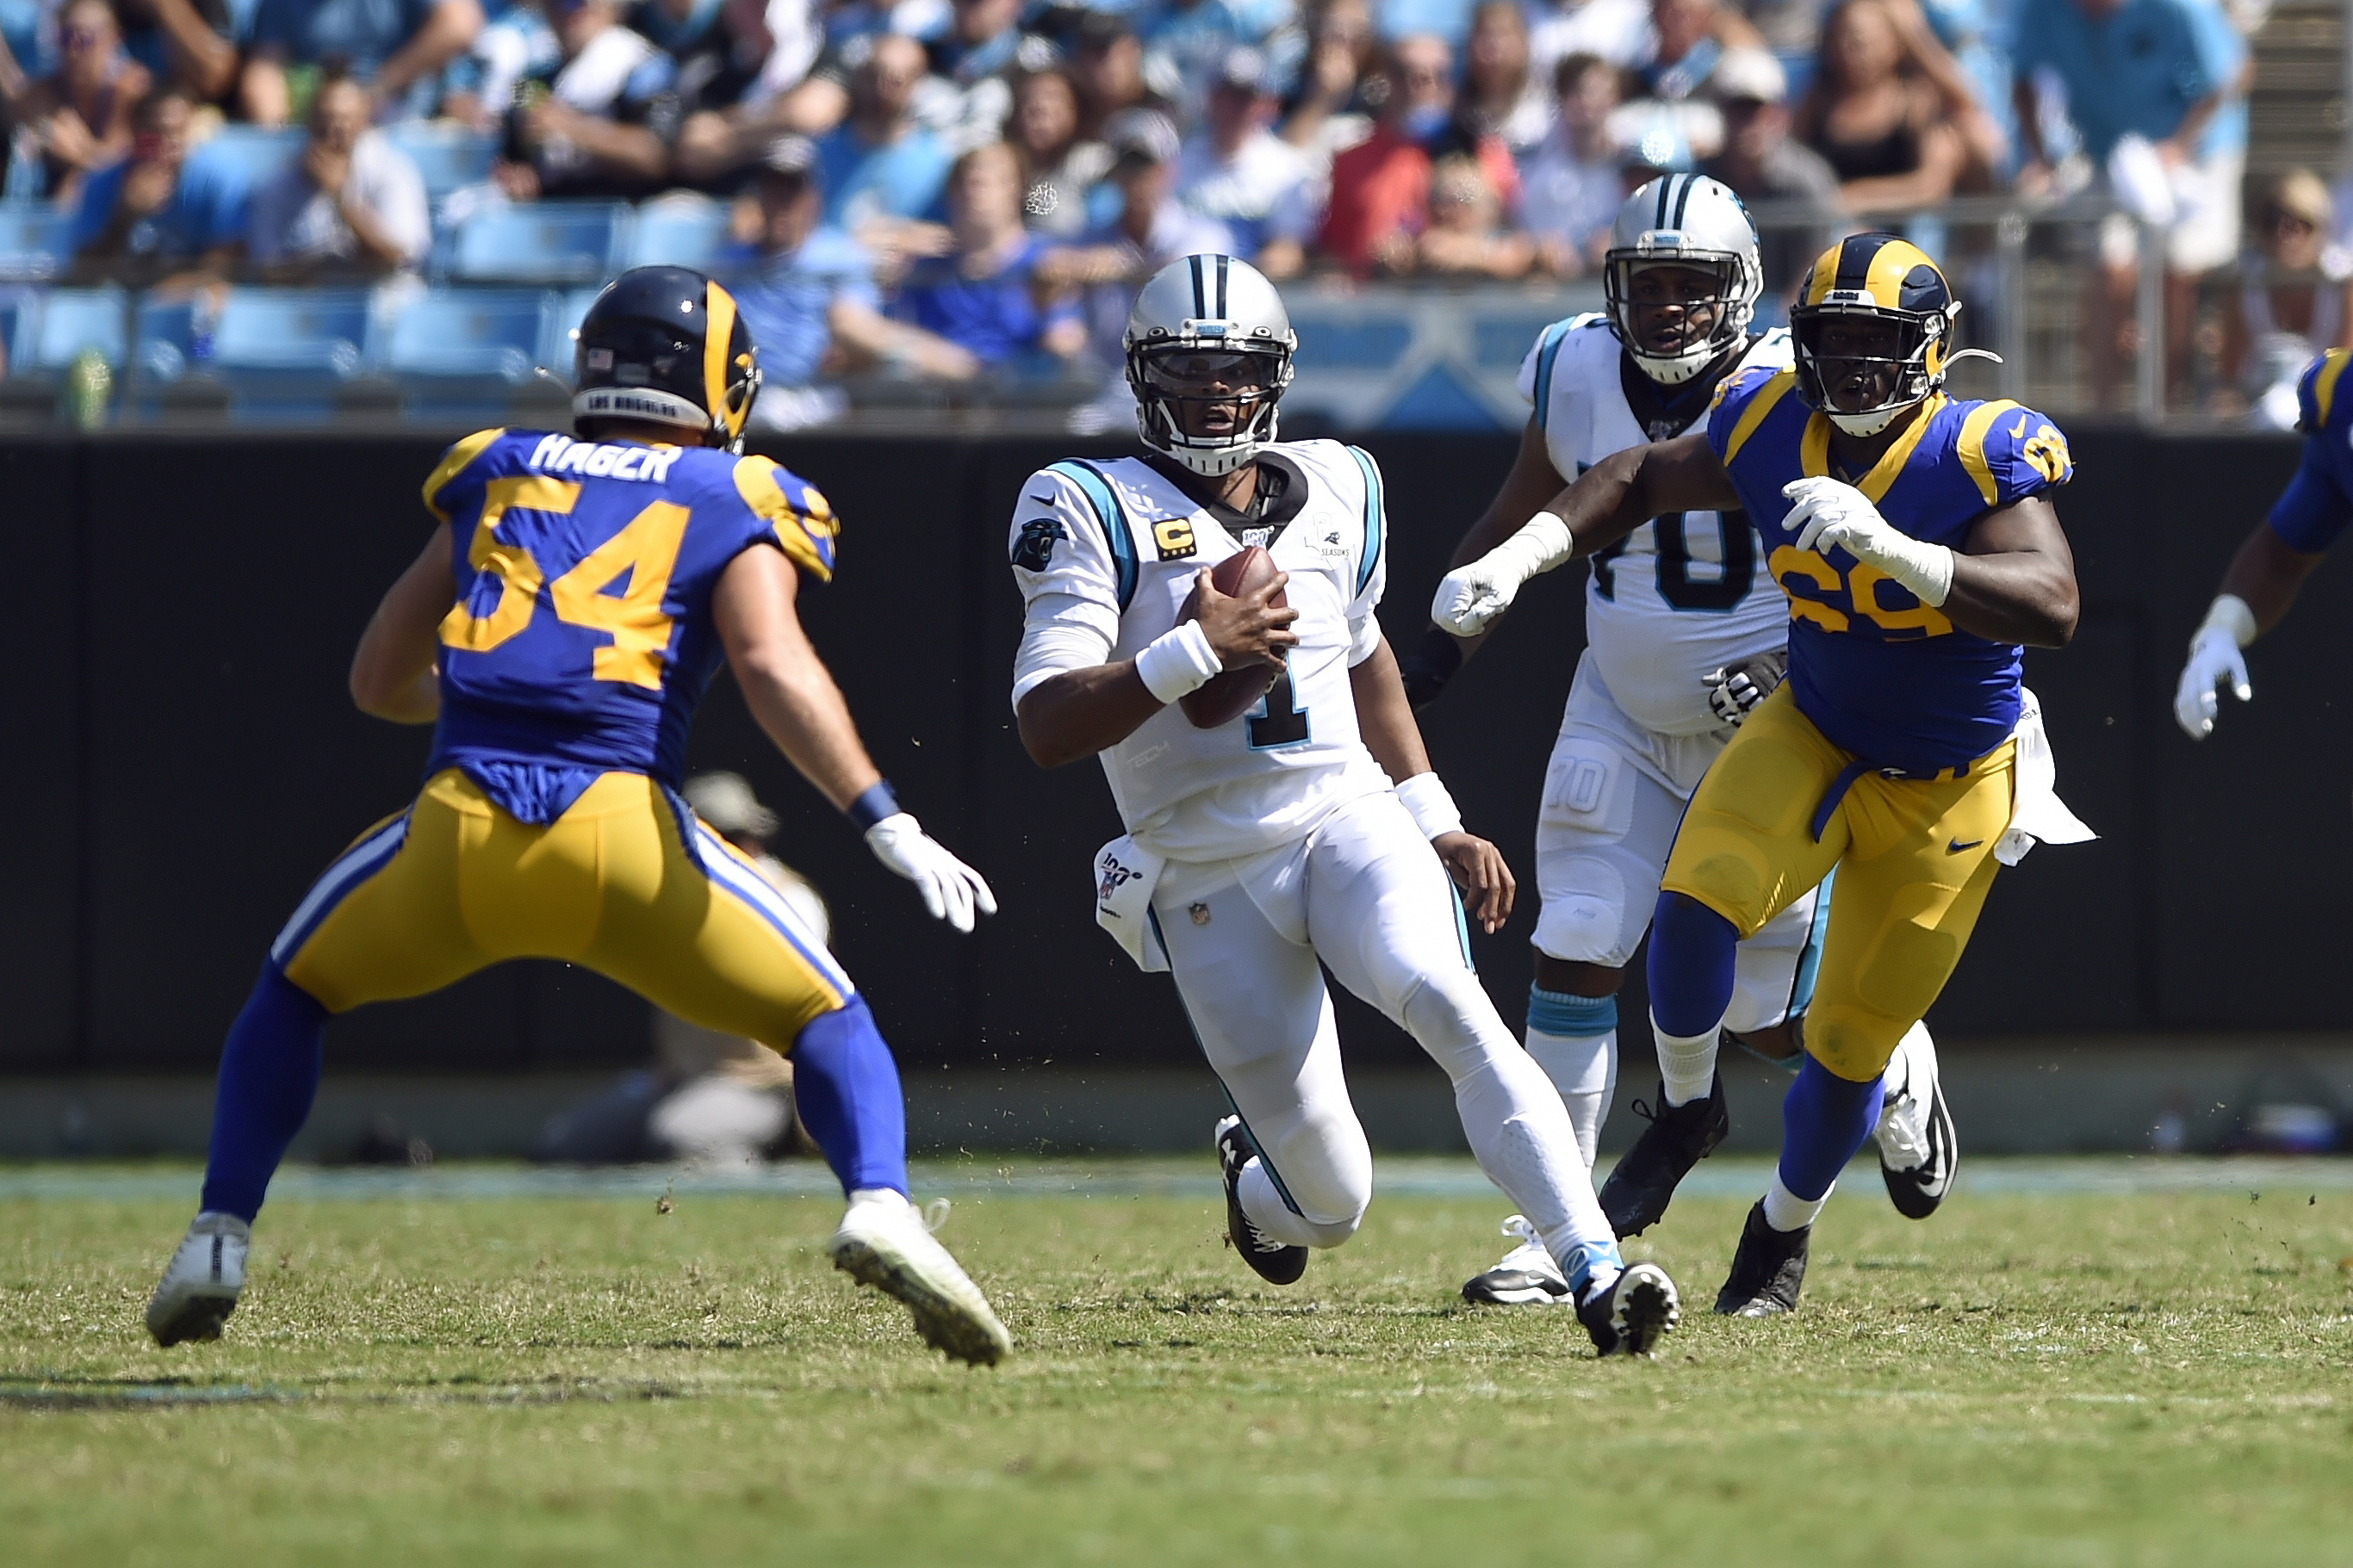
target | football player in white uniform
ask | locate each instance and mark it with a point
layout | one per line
(1686, 632)
(1309, 830)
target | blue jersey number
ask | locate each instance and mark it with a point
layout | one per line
(1676, 585)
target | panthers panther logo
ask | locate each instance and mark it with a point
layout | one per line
(1035, 548)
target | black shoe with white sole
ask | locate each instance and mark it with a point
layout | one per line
(1276, 1263)
(1639, 1308)
(1768, 1271)
(1918, 1152)
(1678, 1137)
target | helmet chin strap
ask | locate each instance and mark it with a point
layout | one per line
(1208, 460)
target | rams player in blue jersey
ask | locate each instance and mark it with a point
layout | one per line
(1914, 540)
(558, 630)
(2263, 578)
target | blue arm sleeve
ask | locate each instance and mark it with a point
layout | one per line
(2315, 507)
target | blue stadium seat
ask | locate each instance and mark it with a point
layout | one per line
(544, 242)
(478, 333)
(53, 330)
(679, 233)
(164, 338)
(35, 241)
(254, 152)
(313, 330)
(448, 155)
(571, 306)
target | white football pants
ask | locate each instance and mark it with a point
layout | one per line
(1366, 895)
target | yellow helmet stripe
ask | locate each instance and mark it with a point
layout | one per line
(2324, 386)
(718, 332)
(1874, 264)
(1895, 262)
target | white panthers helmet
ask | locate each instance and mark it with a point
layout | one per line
(1685, 220)
(1189, 324)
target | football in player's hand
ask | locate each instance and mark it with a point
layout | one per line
(1227, 697)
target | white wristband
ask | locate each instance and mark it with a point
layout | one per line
(1433, 810)
(1540, 544)
(1926, 569)
(1179, 661)
(2229, 612)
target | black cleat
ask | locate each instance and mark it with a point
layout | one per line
(1768, 1271)
(1918, 1152)
(1638, 1309)
(1678, 1137)
(1276, 1264)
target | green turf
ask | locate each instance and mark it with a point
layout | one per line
(2025, 1380)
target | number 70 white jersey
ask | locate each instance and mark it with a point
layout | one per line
(1684, 594)
(1105, 551)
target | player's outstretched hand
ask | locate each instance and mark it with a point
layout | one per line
(1248, 628)
(1734, 692)
(1478, 868)
(952, 890)
(1469, 598)
(2214, 659)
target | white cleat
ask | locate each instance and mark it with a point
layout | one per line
(200, 1285)
(882, 1242)
(1918, 1150)
(1527, 1277)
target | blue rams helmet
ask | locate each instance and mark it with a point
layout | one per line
(667, 344)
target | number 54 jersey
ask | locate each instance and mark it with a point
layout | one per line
(1104, 553)
(582, 638)
(1681, 594)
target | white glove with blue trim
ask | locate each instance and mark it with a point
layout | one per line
(1829, 514)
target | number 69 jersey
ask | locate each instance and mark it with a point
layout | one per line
(582, 636)
(1684, 594)
(1105, 553)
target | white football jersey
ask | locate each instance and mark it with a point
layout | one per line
(1684, 594)
(1106, 551)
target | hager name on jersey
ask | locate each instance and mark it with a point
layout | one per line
(562, 455)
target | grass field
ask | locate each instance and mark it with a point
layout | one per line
(444, 1373)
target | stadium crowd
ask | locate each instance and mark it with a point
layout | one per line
(955, 190)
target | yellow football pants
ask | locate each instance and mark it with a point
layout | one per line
(453, 884)
(1913, 857)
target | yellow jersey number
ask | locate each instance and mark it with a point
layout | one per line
(646, 550)
(1818, 594)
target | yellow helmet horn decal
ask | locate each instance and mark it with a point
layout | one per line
(718, 332)
(1871, 265)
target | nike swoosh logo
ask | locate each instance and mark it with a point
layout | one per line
(2020, 430)
(1956, 847)
(1041, 500)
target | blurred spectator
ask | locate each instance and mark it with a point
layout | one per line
(163, 214)
(808, 292)
(2295, 300)
(1976, 34)
(1059, 167)
(396, 46)
(744, 79)
(1791, 31)
(982, 51)
(79, 115)
(1381, 187)
(880, 167)
(1330, 106)
(1570, 193)
(191, 42)
(2152, 88)
(1189, 38)
(1875, 117)
(1502, 96)
(1465, 239)
(708, 1098)
(982, 295)
(1687, 39)
(1239, 173)
(596, 120)
(1151, 229)
(1765, 168)
(353, 207)
(1107, 65)
(1614, 30)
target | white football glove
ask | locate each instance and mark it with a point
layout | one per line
(950, 889)
(1830, 514)
(1734, 692)
(2214, 658)
(1469, 597)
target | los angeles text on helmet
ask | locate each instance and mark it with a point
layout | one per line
(562, 455)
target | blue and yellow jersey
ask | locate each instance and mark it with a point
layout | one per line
(2318, 502)
(582, 638)
(1879, 673)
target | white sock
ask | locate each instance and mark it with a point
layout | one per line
(1687, 1063)
(1584, 1068)
(1785, 1210)
(880, 1201)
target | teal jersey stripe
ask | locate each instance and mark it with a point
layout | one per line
(1547, 355)
(1097, 490)
(1373, 514)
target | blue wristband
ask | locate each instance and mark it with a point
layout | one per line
(872, 806)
